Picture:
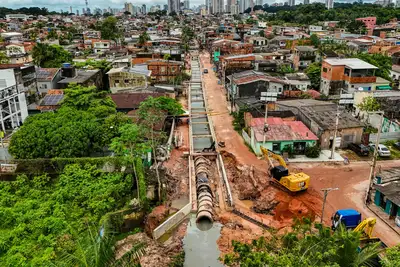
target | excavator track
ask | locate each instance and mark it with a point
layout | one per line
(278, 185)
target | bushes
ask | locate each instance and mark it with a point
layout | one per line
(313, 151)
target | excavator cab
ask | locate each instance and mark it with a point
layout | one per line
(292, 182)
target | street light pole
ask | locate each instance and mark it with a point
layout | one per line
(326, 192)
(373, 165)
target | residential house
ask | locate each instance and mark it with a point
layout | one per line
(347, 74)
(304, 56)
(164, 70)
(281, 134)
(298, 80)
(51, 101)
(125, 79)
(127, 102)
(101, 46)
(320, 118)
(25, 77)
(47, 79)
(84, 77)
(18, 54)
(386, 195)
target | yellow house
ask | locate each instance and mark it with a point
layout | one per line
(126, 79)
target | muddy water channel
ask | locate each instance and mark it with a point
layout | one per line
(201, 249)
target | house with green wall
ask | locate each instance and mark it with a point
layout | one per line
(387, 193)
(279, 134)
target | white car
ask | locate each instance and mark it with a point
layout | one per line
(383, 151)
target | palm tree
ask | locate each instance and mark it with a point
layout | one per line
(40, 53)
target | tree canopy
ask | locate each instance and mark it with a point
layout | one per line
(369, 104)
(109, 29)
(305, 247)
(50, 56)
(39, 215)
(382, 62)
(313, 72)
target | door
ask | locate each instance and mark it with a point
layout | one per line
(299, 148)
(393, 211)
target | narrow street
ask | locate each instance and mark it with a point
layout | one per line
(351, 180)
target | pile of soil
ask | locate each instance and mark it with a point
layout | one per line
(155, 218)
(248, 181)
(266, 203)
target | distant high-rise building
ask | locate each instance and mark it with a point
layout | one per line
(128, 8)
(88, 11)
(173, 6)
(77, 12)
(306, 2)
(292, 2)
(165, 7)
(144, 10)
(217, 6)
(259, 2)
(186, 4)
(62, 11)
(329, 4)
(70, 9)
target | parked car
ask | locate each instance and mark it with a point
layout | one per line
(361, 150)
(205, 71)
(397, 145)
(383, 151)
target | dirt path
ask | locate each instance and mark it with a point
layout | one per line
(352, 182)
(222, 120)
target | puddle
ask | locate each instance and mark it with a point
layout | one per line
(201, 249)
(248, 203)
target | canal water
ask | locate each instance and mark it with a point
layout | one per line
(201, 249)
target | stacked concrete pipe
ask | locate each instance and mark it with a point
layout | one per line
(205, 207)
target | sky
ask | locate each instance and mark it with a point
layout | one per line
(57, 5)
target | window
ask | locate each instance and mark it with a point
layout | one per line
(276, 146)
(162, 69)
(126, 81)
(173, 69)
(116, 81)
(324, 69)
(44, 86)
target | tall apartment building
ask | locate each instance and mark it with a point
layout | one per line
(186, 4)
(129, 7)
(306, 2)
(292, 2)
(329, 4)
(217, 6)
(259, 2)
(173, 6)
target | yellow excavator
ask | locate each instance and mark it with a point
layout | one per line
(351, 219)
(291, 182)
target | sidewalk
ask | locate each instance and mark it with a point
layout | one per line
(323, 157)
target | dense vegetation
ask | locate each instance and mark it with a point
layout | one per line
(41, 219)
(345, 13)
(50, 56)
(309, 246)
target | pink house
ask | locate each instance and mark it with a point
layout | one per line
(369, 22)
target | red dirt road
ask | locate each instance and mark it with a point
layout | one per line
(352, 181)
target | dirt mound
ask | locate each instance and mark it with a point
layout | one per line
(266, 203)
(247, 180)
(155, 218)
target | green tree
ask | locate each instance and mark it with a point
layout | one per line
(356, 26)
(4, 59)
(52, 34)
(50, 56)
(65, 133)
(109, 29)
(304, 248)
(392, 257)
(167, 57)
(143, 38)
(313, 72)
(89, 99)
(369, 104)
(261, 33)
(314, 40)
(382, 62)
(131, 145)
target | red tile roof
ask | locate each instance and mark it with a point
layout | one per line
(280, 130)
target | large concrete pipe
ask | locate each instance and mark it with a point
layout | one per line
(205, 211)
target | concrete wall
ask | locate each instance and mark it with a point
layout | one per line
(172, 221)
(327, 135)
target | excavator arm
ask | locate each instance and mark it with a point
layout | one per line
(366, 227)
(268, 154)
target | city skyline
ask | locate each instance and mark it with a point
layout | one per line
(56, 5)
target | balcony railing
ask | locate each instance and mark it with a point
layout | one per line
(366, 79)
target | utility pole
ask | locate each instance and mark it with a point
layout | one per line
(326, 192)
(373, 165)
(335, 133)
(265, 129)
